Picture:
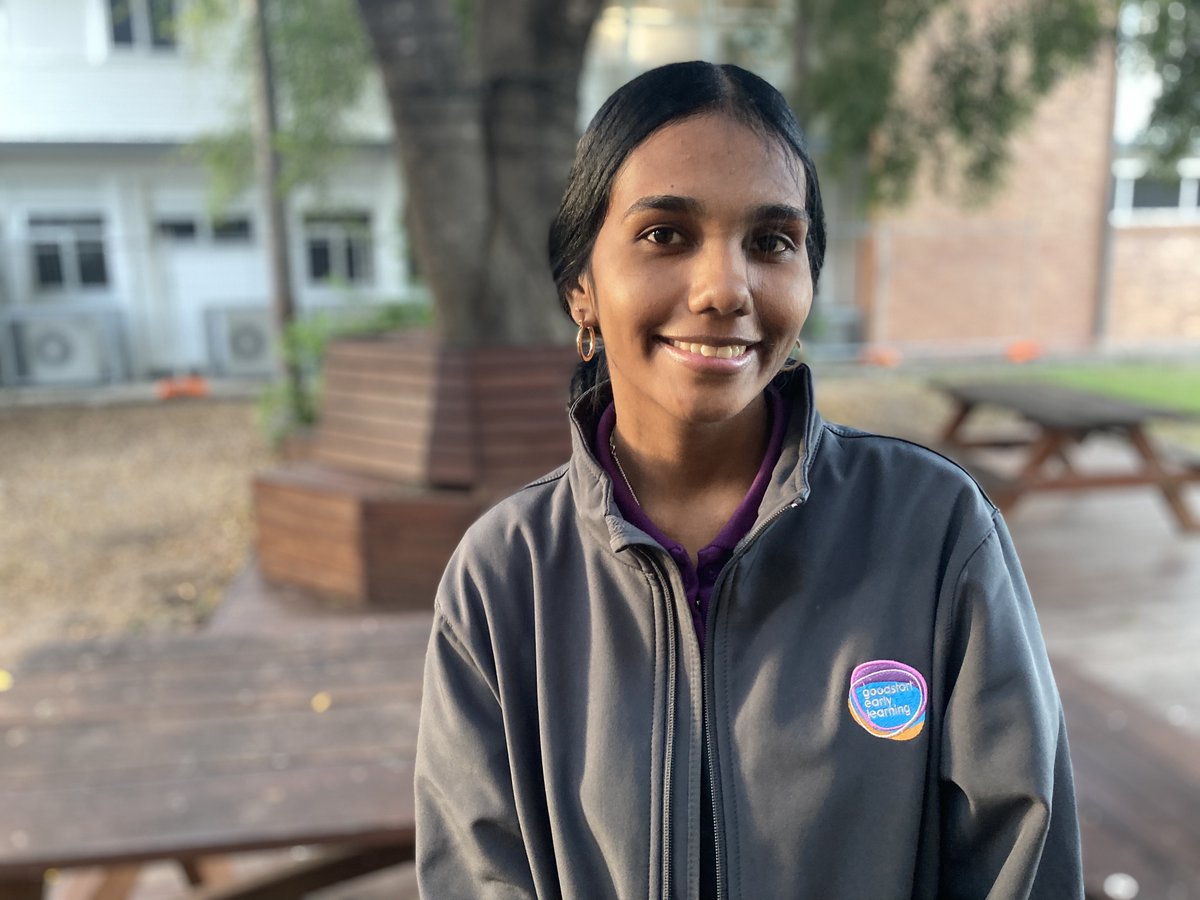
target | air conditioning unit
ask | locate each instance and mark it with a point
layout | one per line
(241, 340)
(59, 347)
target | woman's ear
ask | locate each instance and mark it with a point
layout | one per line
(582, 302)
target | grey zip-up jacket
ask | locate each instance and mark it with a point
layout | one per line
(881, 717)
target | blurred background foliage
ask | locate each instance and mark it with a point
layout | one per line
(1163, 37)
(321, 61)
(283, 411)
(938, 81)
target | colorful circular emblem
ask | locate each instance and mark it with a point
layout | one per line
(887, 698)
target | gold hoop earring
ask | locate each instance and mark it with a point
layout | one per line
(591, 341)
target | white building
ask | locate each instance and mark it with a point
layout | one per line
(111, 265)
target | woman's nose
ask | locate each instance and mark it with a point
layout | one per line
(720, 283)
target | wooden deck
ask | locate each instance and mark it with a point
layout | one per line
(1117, 589)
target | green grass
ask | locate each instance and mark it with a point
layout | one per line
(1172, 385)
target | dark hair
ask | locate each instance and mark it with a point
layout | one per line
(636, 110)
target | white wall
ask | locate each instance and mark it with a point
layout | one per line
(164, 288)
(62, 80)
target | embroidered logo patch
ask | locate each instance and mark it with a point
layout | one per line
(887, 698)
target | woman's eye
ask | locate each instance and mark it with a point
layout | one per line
(773, 244)
(663, 235)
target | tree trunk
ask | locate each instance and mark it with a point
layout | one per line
(485, 130)
(283, 306)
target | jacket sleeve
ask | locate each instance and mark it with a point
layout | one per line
(468, 841)
(1008, 821)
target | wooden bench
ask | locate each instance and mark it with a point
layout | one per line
(378, 541)
(1137, 779)
(414, 440)
(120, 752)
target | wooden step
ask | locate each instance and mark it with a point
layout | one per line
(373, 541)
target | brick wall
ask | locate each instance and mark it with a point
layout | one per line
(1024, 266)
(1155, 284)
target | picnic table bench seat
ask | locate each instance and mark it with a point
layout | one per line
(119, 752)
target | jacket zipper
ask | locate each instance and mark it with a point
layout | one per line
(707, 699)
(669, 744)
(763, 527)
(712, 776)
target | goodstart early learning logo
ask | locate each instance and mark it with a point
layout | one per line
(887, 698)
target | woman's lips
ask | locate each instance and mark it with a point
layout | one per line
(720, 351)
(710, 354)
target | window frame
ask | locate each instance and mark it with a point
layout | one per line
(141, 22)
(67, 233)
(1127, 171)
(233, 229)
(349, 237)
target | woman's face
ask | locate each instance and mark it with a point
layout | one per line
(699, 281)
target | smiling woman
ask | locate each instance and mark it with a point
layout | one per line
(700, 255)
(729, 649)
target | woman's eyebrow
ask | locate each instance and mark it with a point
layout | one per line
(771, 212)
(665, 203)
(778, 212)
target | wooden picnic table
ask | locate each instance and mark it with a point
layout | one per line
(1060, 419)
(119, 752)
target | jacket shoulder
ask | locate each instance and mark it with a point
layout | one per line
(902, 477)
(900, 455)
(502, 552)
(528, 509)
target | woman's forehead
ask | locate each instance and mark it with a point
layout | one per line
(711, 156)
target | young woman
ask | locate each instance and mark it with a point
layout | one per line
(730, 650)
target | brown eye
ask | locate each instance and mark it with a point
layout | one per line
(662, 235)
(773, 244)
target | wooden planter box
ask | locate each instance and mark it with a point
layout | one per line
(414, 441)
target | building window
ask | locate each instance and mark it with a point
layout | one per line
(184, 229)
(1155, 193)
(338, 248)
(68, 253)
(232, 230)
(176, 229)
(148, 24)
(1140, 196)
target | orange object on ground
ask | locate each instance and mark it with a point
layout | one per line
(878, 355)
(1023, 351)
(187, 386)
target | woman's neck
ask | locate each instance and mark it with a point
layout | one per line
(690, 478)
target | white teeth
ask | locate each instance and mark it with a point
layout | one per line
(725, 352)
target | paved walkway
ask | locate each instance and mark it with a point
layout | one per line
(1117, 589)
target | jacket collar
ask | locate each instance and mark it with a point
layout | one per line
(592, 488)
